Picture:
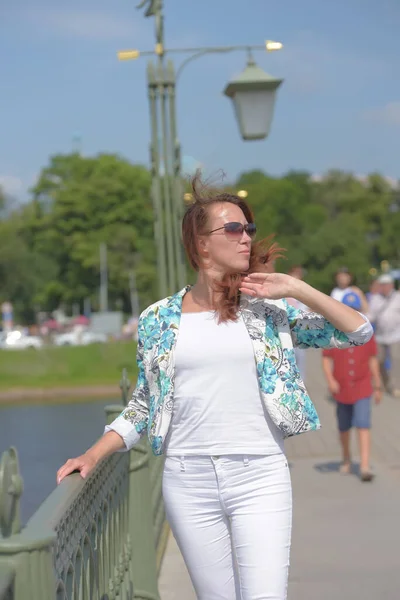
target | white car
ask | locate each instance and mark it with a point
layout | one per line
(16, 340)
(74, 338)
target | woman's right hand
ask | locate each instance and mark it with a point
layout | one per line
(84, 464)
(109, 443)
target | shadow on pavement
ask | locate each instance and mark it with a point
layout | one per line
(334, 466)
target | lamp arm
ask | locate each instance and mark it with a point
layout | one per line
(202, 53)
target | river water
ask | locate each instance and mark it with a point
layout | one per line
(45, 436)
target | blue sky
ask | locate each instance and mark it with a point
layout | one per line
(339, 106)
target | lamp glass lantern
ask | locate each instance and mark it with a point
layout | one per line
(253, 94)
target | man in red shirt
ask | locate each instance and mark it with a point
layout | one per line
(350, 374)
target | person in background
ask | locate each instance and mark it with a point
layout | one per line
(384, 313)
(348, 373)
(344, 280)
(297, 271)
(374, 290)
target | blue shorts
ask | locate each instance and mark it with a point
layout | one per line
(354, 415)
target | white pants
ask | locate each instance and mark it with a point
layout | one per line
(231, 517)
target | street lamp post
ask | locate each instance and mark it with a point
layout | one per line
(253, 95)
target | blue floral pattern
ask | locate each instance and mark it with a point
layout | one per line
(274, 327)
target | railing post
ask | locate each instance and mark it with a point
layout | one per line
(144, 559)
(143, 565)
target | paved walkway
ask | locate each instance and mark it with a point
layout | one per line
(345, 533)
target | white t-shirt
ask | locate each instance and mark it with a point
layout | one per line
(338, 293)
(384, 311)
(217, 402)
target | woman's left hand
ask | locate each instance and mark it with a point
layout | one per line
(273, 286)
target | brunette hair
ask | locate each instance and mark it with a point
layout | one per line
(348, 272)
(195, 221)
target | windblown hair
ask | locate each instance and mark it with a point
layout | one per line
(195, 223)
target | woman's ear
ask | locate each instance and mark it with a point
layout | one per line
(202, 246)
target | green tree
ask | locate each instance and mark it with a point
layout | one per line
(22, 273)
(49, 247)
(326, 223)
(79, 203)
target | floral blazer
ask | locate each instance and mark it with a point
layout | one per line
(274, 327)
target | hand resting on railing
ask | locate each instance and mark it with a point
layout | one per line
(108, 444)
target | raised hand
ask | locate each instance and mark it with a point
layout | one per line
(273, 286)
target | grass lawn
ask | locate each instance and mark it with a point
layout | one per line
(67, 366)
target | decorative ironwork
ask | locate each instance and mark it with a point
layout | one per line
(11, 487)
(154, 7)
(92, 550)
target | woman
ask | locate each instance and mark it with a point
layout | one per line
(218, 390)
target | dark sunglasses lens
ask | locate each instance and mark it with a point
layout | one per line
(251, 229)
(234, 229)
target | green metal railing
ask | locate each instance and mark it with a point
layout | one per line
(102, 538)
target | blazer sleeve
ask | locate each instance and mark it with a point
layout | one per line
(133, 420)
(312, 330)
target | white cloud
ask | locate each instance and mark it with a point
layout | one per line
(93, 25)
(388, 114)
(11, 185)
(312, 63)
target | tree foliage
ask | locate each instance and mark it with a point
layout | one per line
(327, 223)
(49, 247)
(78, 204)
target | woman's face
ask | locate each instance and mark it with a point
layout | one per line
(224, 252)
(343, 280)
(375, 287)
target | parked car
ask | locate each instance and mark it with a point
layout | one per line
(79, 338)
(17, 340)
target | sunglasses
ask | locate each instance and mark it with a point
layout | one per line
(234, 231)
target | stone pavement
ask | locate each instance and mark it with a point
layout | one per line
(345, 533)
